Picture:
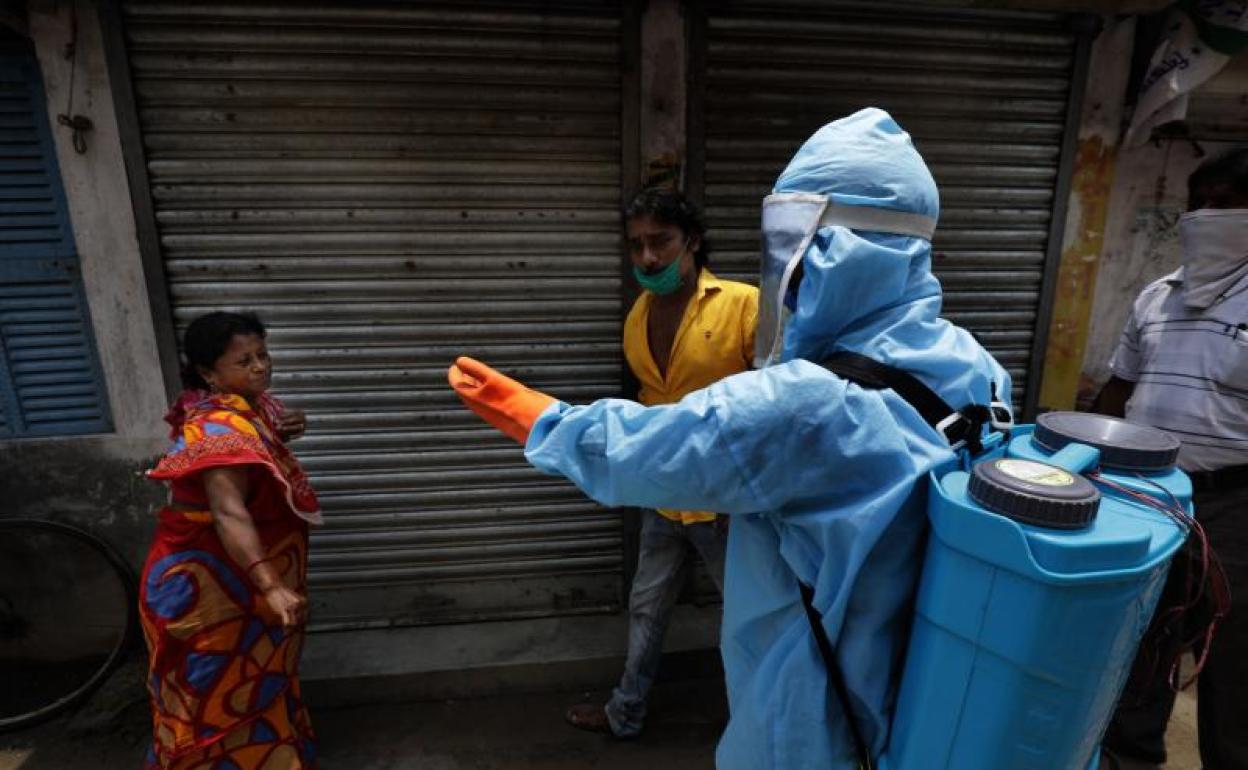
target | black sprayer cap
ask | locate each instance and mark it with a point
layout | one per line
(1124, 446)
(1034, 493)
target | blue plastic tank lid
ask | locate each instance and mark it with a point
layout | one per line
(1034, 493)
(1124, 446)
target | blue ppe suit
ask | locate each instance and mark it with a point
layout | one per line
(827, 479)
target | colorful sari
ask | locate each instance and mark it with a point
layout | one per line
(224, 674)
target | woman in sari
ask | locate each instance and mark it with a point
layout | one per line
(223, 592)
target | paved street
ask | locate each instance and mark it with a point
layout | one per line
(512, 732)
(517, 732)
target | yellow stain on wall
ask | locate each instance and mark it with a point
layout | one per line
(1091, 181)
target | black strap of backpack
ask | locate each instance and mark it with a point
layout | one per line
(834, 675)
(961, 427)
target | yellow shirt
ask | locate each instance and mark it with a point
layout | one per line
(715, 339)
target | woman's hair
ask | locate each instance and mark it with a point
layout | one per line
(207, 338)
(669, 207)
(1224, 176)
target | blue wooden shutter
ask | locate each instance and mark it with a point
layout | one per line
(50, 380)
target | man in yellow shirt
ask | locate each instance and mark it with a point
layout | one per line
(687, 330)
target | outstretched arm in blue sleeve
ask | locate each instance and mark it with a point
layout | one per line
(756, 441)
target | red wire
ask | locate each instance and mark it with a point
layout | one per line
(1211, 574)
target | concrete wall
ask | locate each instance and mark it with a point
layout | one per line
(664, 69)
(582, 652)
(95, 481)
(1086, 211)
(102, 218)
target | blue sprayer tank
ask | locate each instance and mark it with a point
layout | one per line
(1037, 588)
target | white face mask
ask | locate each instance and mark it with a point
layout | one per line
(1215, 253)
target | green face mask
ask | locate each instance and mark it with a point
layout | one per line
(665, 281)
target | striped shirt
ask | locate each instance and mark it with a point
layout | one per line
(1190, 369)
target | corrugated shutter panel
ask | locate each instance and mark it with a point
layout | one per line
(49, 378)
(390, 186)
(984, 94)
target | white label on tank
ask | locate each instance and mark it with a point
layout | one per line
(1036, 473)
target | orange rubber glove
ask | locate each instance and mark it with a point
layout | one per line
(496, 398)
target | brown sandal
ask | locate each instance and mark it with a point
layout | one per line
(590, 717)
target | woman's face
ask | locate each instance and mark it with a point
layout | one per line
(653, 245)
(243, 369)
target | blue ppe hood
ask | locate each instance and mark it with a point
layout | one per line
(874, 293)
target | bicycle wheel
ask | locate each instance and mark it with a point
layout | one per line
(67, 613)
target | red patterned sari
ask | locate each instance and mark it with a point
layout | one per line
(224, 675)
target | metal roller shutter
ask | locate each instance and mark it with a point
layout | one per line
(983, 93)
(390, 186)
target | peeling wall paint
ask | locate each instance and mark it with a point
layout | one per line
(1077, 273)
(1087, 209)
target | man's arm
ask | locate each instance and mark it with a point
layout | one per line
(1112, 400)
(754, 441)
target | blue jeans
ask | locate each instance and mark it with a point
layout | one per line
(660, 563)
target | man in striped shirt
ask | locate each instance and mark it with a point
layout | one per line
(1182, 365)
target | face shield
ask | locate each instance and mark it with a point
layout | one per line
(790, 221)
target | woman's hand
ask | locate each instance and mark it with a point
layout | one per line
(292, 424)
(288, 605)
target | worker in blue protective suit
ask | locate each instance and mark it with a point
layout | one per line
(826, 477)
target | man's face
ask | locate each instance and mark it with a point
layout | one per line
(653, 245)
